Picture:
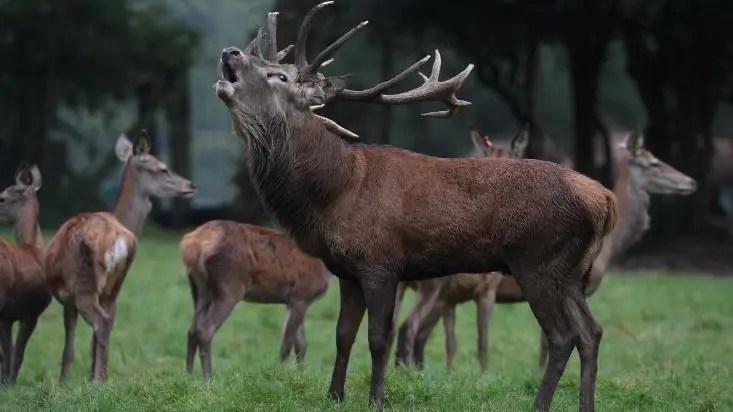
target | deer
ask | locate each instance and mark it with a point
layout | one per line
(438, 297)
(377, 215)
(227, 262)
(88, 258)
(640, 174)
(24, 295)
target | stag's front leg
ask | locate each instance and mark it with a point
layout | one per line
(6, 342)
(350, 316)
(400, 296)
(379, 287)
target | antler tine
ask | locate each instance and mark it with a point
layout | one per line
(323, 57)
(431, 89)
(253, 47)
(272, 54)
(305, 27)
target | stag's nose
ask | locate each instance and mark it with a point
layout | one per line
(228, 53)
(193, 186)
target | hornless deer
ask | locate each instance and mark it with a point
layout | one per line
(377, 215)
(639, 175)
(229, 261)
(438, 297)
(23, 291)
(89, 257)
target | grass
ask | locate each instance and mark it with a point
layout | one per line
(667, 347)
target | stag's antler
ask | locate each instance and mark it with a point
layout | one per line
(431, 89)
(272, 54)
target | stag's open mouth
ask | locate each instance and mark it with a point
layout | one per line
(228, 72)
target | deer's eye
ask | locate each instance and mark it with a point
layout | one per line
(279, 76)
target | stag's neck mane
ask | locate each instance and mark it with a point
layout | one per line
(132, 205)
(26, 230)
(298, 171)
(633, 203)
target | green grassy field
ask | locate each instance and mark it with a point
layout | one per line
(667, 347)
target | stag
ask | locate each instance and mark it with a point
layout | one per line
(89, 256)
(377, 215)
(438, 297)
(639, 175)
(23, 292)
(229, 261)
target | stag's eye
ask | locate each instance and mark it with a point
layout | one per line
(279, 76)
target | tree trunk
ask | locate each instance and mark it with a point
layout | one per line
(178, 114)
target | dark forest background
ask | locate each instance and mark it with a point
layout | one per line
(74, 74)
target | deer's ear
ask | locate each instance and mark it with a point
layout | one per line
(21, 174)
(634, 143)
(332, 86)
(36, 180)
(123, 148)
(520, 142)
(142, 146)
(481, 143)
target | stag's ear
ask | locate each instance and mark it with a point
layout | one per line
(141, 145)
(634, 143)
(519, 143)
(332, 86)
(123, 148)
(36, 180)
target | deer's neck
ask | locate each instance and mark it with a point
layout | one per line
(26, 230)
(634, 218)
(297, 171)
(132, 205)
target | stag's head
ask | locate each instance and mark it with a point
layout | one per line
(152, 176)
(262, 92)
(653, 175)
(15, 198)
(517, 147)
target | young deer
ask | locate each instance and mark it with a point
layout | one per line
(227, 262)
(23, 291)
(438, 297)
(640, 174)
(89, 257)
(377, 215)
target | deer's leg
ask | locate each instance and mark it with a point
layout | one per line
(588, 346)
(201, 301)
(89, 308)
(427, 293)
(6, 341)
(350, 316)
(399, 297)
(379, 286)
(101, 341)
(449, 324)
(27, 326)
(293, 321)
(552, 305)
(211, 321)
(543, 349)
(427, 325)
(300, 345)
(484, 306)
(70, 317)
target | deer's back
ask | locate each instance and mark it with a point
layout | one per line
(266, 260)
(89, 247)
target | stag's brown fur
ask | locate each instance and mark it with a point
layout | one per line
(639, 175)
(377, 215)
(227, 262)
(24, 295)
(90, 255)
(438, 297)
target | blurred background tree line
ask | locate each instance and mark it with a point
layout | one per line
(77, 73)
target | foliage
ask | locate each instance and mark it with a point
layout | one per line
(666, 347)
